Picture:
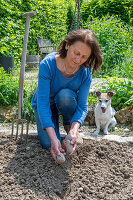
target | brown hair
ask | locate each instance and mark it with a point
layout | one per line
(86, 36)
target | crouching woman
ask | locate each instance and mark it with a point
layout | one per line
(63, 86)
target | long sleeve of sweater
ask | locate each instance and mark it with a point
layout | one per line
(51, 81)
(82, 101)
(43, 92)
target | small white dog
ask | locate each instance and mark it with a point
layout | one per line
(104, 113)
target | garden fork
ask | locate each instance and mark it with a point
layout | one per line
(21, 80)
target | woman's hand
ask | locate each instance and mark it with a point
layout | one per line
(72, 137)
(56, 149)
(73, 132)
(73, 140)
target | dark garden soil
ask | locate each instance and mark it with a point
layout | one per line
(96, 171)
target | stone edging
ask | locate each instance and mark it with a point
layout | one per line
(115, 138)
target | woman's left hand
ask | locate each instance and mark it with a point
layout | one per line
(56, 149)
(73, 132)
(74, 140)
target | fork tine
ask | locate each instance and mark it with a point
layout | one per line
(17, 130)
(18, 122)
(27, 129)
(12, 129)
(21, 132)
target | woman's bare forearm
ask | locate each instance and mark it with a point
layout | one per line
(51, 133)
(74, 127)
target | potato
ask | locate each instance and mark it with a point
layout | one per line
(69, 146)
(61, 158)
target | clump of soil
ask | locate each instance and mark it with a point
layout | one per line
(96, 171)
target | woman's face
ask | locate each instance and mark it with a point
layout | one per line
(77, 53)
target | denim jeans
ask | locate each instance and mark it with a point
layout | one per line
(65, 104)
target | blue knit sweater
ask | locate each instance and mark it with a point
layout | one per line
(51, 81)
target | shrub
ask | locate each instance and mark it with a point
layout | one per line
(27, 109)
(123, 96)
(99, 8)
(123, 89)
(115, 39)
(8, 89)
(49, 23)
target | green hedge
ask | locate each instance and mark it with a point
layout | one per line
(123, 9)
(116, 41)
(8, 89)
(50, 22)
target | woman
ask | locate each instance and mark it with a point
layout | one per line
(63, 87)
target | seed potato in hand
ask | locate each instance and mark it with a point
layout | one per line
(60, 158)
(69, 146)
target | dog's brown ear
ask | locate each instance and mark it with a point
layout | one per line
(111, 93)
(98, 93)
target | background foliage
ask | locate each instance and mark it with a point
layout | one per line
(8, 89)
(111, 21)
(123, 9)
(123, 96)
(51, 22)
(115, 39)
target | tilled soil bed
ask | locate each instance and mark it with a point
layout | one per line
(96, 171)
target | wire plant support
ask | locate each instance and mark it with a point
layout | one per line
(77, 22)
